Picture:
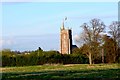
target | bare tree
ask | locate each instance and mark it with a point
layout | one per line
(91, 37)
(115, 32)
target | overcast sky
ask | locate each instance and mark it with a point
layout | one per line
(28, 25)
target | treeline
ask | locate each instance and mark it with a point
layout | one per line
(39, 57)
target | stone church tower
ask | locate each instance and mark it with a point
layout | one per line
(65, 40)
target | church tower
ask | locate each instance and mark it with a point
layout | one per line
(65, 40)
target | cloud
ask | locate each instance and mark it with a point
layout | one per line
(78, 40)
(76, 37)
(32, 42)
(1, 41)
(4, 43)
(7, 42)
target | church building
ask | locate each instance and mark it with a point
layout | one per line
(65, 40)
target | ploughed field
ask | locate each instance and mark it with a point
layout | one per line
(59, 71)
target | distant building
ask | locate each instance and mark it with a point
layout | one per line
(74, 47)
(65, 40)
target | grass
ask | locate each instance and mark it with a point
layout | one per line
(58, 71)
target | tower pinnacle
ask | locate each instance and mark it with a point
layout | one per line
(62, 25)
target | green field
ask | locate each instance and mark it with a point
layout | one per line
(58, 71)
